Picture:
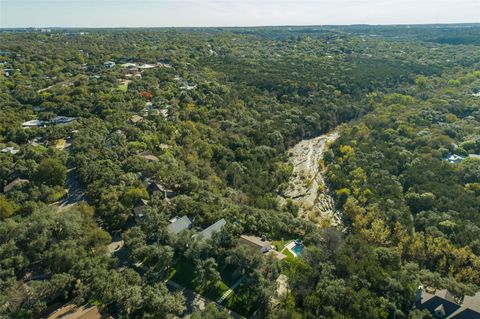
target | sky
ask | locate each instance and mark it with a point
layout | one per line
(202, 13)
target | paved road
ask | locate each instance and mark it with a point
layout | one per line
(76, 193)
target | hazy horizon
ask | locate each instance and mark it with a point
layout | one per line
(228, 13)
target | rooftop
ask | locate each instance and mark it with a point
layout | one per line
(255, 242)
(72, 312)
(179, 224)
(208, 232)
(14, 183)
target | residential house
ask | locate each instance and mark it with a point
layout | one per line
(17, 182)
(10, 149)
(61, 120)
(262, 245)
(8, 72)
(146, 66)
(208, 232)
(139, 209)
(109, 64)
(129, 65)
(136, 119)
(178, 225)
(74, 312)
(256, 243)
(33, 123)
(443, 304)
(38, 108)
(156, 187)
(454, 158)
(149, 156)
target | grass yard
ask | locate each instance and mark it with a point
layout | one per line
(123, 87)
(184, 274)
(280, 245)
(287, 253)
(241, 302)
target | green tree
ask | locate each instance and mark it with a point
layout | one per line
(51, 172)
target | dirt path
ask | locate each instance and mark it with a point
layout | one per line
(307, 186)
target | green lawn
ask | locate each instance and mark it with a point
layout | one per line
(280, 245)
(287, 253)
(123, 87)
(183, 273)
(241, 302)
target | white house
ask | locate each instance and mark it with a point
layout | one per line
(109, 64)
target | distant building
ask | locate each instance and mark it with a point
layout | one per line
(208, 232)
(129, 65)
(61, 120)
(38, 108)
(443, 304)
(10, 149)
(256, 243)
(17, 182)
(148, 156)
(33, 123)
(156, 187)
(454, 158)
(8, 72)
(139, 209)
(74, 312)
(136, 119)
(178, 225)
(146, 66)
(109, 64)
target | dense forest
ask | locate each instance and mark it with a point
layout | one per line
(197, 123)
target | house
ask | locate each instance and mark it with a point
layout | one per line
(17, 182)
(156, 187)
(61, 120)
(443, 304)
(8, 72)
(256, 243)
(10, 149)
(454, 158)
(208, 232)
(139, 209)
(109, 64)
(129, 65)
(149, 156)
(74, 312)
(146, 66)
(178, 225)
(33, 123)
(136, 119)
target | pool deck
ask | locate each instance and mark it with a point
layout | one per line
(289, 246)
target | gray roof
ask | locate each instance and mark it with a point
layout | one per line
(179, 225)
(472, 302)
(208, 232)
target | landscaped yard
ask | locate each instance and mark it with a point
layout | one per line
(123, 87)
(241, 302)
(280, 245)
(184, 274)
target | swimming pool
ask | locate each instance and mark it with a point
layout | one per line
(297, 249)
